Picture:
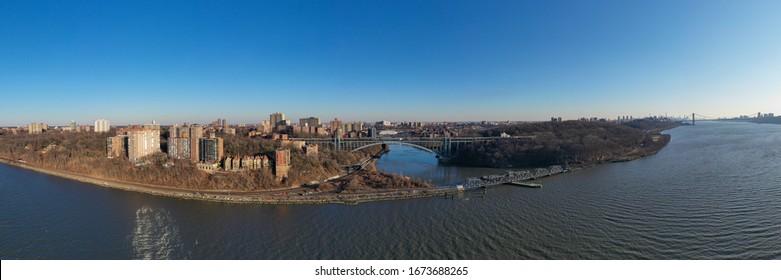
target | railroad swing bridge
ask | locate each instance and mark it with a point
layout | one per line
(443, 148)
(507, 177)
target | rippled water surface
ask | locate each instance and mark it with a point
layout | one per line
(713, 193)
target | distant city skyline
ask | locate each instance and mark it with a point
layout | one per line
(176, 62)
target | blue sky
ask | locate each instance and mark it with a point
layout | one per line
(196, 61)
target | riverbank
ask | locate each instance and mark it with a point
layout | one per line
(293, 195)
(367, 185)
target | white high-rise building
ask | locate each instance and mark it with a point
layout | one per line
(102, 125)
(35, 128)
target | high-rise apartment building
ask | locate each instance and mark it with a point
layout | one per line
(153, 126)
(35, 128)
(310, 121)
(211, 149)
(173, 131)
(102, 125)
(179, 148)
(73, 126)
(182, 131)
(116, 146)
(336, 125)
(142, 143)
(196, 133)
(277, 118)
(357, 126)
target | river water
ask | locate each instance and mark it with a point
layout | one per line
(713, 193)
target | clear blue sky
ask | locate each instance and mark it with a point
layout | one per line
(196, 61)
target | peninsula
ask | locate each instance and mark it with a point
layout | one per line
(248, 165)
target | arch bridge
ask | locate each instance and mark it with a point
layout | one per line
(443, 148)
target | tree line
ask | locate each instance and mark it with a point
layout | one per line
(555, 143)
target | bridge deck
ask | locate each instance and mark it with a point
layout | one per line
(442, 147)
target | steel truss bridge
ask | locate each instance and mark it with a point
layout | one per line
(507, 177)
(443, 148)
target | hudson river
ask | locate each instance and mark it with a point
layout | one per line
(713, 193)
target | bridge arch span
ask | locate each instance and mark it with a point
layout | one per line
(399, 143)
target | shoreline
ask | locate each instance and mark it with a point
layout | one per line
(291, 195)
(276, 196)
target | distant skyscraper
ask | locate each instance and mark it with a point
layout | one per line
(73, 126)
(277, 118)
(142, 143)
(102, 125)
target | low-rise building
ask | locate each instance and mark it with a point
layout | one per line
(236, 164)
(227, 163)
(208, 167)
(311, 149)
(247, 164)
(293, 143)
(279, 136)
(257, 162)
